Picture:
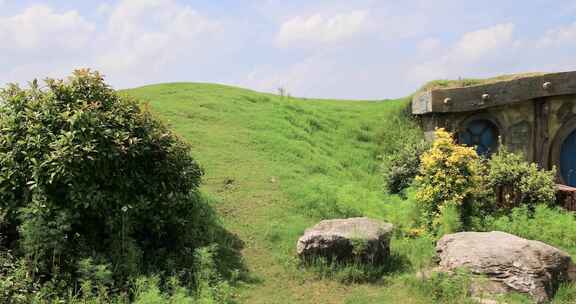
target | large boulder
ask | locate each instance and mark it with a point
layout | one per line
(508, 262)
(360, 239)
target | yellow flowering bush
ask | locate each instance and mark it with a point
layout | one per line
(450, 177)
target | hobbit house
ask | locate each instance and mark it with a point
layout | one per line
(534, 115)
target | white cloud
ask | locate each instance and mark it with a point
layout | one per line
(326, 75)
(319, 28)
(337, 48)
(429, 45)
(40, 27)
(294, 78)
(149, 33)
(426, 71)
(558, 36)
(104, 8)
(474, 45)
(140, 41)
(469, 53)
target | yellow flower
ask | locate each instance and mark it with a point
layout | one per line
(448, 175)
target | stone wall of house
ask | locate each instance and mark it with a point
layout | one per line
(561, 110)
(515, 123)
(533, 127)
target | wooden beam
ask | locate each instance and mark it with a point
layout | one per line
(494, 94)
(540, 138)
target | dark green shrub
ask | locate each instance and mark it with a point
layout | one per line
(401, 168)
(88, 173)
(517, 182)
(16, 286)
(398, 129)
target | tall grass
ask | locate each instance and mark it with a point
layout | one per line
(555, 227)
(329, 155)
(209, 288)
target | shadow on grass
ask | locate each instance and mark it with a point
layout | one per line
(354, 271)
(228, 258)
(230, 262)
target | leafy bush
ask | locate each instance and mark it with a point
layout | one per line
(454, 181)
(516, 182)
(400, 150)
(89, 174)
(401, 168)
(15, 284)
(209, 287)
(388, 138)
(450, 175)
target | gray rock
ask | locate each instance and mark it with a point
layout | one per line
(360, 238)
(510, 263)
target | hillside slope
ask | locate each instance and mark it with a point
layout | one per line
(276, 165)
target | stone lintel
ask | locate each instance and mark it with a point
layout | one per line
(479, 97)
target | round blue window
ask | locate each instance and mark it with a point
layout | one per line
(481, 134)
(568, 160)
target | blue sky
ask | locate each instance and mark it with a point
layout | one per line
(335, 49)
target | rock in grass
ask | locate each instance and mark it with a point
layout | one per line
(353, 239)
(508, 262)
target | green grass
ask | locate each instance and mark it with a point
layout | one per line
(467, 82)
(276, 165)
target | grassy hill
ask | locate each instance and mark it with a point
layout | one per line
(277, 165)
